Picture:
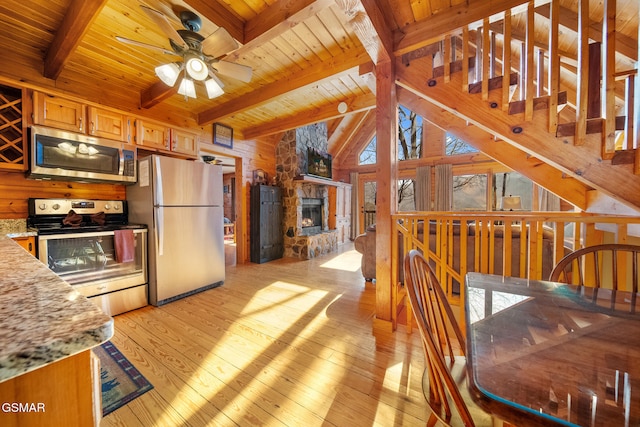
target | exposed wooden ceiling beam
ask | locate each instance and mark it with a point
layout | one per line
(536, 170)
(328, 69)
(357, 142)
(348, 127)
(370, 26)
(314, 115)
(76, 23)
(156, 93)
(282, 16)
(430, 30)
(215, 12)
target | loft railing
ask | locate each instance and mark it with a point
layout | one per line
(518, 244)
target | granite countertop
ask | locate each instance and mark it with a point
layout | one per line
(42, 318)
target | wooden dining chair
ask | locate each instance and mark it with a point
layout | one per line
(610, 266)
(444, 381)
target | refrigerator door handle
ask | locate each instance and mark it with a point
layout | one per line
(158, 183)
(159, 229)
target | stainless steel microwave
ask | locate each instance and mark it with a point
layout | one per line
(62, 155)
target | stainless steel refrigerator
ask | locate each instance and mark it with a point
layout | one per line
(181, 203)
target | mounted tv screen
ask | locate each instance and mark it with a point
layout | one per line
(318, 164)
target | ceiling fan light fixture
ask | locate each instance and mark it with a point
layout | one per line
(196, 68)
(168, 73)
(213, 88)
(187, 88)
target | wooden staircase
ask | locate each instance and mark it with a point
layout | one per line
(495, 84)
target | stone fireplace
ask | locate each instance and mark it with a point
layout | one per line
(306, 202)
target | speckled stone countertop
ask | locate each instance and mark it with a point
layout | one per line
(42, 318)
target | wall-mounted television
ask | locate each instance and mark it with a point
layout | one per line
(318, 164)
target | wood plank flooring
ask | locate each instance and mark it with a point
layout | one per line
(285, 343)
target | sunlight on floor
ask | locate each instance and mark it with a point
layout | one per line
(346, 261)
(268, 302)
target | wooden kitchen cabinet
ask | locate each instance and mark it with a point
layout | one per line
(109, 124)
(152, 135)
(28, 243)
(13, 140)
(60, 113)
(184, 142)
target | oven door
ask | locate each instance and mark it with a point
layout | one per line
(88, 261)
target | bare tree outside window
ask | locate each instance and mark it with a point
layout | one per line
(409, 134)
(455, 145)
(368, 155)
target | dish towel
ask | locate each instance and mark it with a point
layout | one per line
(125, 245)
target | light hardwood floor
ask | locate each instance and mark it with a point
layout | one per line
(285, 343)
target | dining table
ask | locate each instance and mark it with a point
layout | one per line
(546, 353)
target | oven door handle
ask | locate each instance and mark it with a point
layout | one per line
(159, 229)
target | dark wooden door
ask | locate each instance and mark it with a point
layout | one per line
(267, 238)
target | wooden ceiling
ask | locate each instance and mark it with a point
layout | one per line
(307, 56)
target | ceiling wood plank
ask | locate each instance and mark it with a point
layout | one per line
(427, 31)
(282, 16)
(215, 12)
(305, 77)
(625, 45)
(76, 23)
(313, 115)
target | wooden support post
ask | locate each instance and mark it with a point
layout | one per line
(386, 184)
(522, 84)
(636, 116)
(582, 77)
(478, 57)
(485, 58)
(506, 61)
(594, 102)
(529, 68)
(629, 99)
(446, 61)
(554, 65)
(609, 79)
(465, 59)
(540, 74)
(493, 55)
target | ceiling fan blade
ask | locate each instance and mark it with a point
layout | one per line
(164, 24)
(236, 71)
(146, 45)
(219, 43)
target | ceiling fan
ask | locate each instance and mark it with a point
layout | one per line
(200, 55)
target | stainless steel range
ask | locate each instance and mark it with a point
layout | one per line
(91, 245)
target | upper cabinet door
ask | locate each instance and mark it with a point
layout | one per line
(59, 112)
(183, 142)
(108, 124)
(152, 135)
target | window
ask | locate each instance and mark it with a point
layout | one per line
(368, 155)
(511, 184)
(470, 192)
(409, 134)
(406, 199)
(454, 145)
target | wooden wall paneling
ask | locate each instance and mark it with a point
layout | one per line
(15, 189)
(636, 113)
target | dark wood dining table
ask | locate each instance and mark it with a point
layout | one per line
(545, 353)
